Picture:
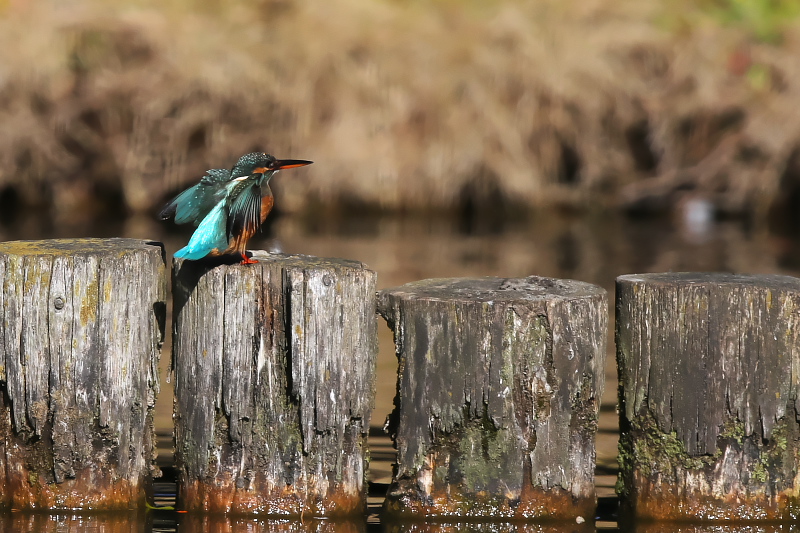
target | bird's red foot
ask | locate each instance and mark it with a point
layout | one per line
(248, 260)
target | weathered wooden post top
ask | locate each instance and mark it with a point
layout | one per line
(497, 396)
(80, 336)
(274, 382)
(709, 368)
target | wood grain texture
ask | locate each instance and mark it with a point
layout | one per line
(274, 383)
(497, 397)
(708, 366)
(83, 322)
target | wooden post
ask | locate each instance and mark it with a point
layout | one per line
(497, 396)
(82, 326)
(274, 382)
(709, 369)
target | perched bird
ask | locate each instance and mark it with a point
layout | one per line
(227, 206)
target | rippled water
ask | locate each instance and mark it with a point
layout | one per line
(594, 247)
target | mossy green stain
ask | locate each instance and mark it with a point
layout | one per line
(760, 473)
(539, 331)
(646, 447)
(481, 451)
(733, 429)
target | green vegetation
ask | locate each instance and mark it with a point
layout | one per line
(766, 20)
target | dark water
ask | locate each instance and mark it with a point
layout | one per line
(593, 247)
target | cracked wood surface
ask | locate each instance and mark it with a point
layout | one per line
(498, 392)
(274, 368)
(82, 327)
(708, 367)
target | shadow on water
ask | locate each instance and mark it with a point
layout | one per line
(595, 247)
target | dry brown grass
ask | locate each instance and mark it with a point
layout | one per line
(402, 104)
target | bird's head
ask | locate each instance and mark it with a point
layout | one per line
(261, 163)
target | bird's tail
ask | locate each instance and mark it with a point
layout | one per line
(210, 235)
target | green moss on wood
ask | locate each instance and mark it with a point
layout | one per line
(760, 473)
(647, 450)
(645, 447)
(733, 430)
(480, 449)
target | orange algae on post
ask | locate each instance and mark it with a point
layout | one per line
(660, 481)
(88, 491)
(656, 502)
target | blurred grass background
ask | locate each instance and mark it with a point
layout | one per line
(405, 105)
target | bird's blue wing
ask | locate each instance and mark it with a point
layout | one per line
(195, 203)
(210, 235)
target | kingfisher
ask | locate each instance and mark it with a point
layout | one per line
(228, 206)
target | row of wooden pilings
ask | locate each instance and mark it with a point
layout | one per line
(497, 395)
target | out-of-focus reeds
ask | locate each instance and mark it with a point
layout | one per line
(402, 104)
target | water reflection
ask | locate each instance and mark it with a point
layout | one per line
(164, 522)
(222, 524)
(488, 527)
(67, 523)
(670, 527)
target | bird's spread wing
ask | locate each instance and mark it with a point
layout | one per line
(195, 203)
(245, 209)
(208, 236)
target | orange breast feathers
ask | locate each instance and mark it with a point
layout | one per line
(266, 206)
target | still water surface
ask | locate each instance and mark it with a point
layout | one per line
(592, 247)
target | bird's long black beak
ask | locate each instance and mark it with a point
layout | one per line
(289, 163)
